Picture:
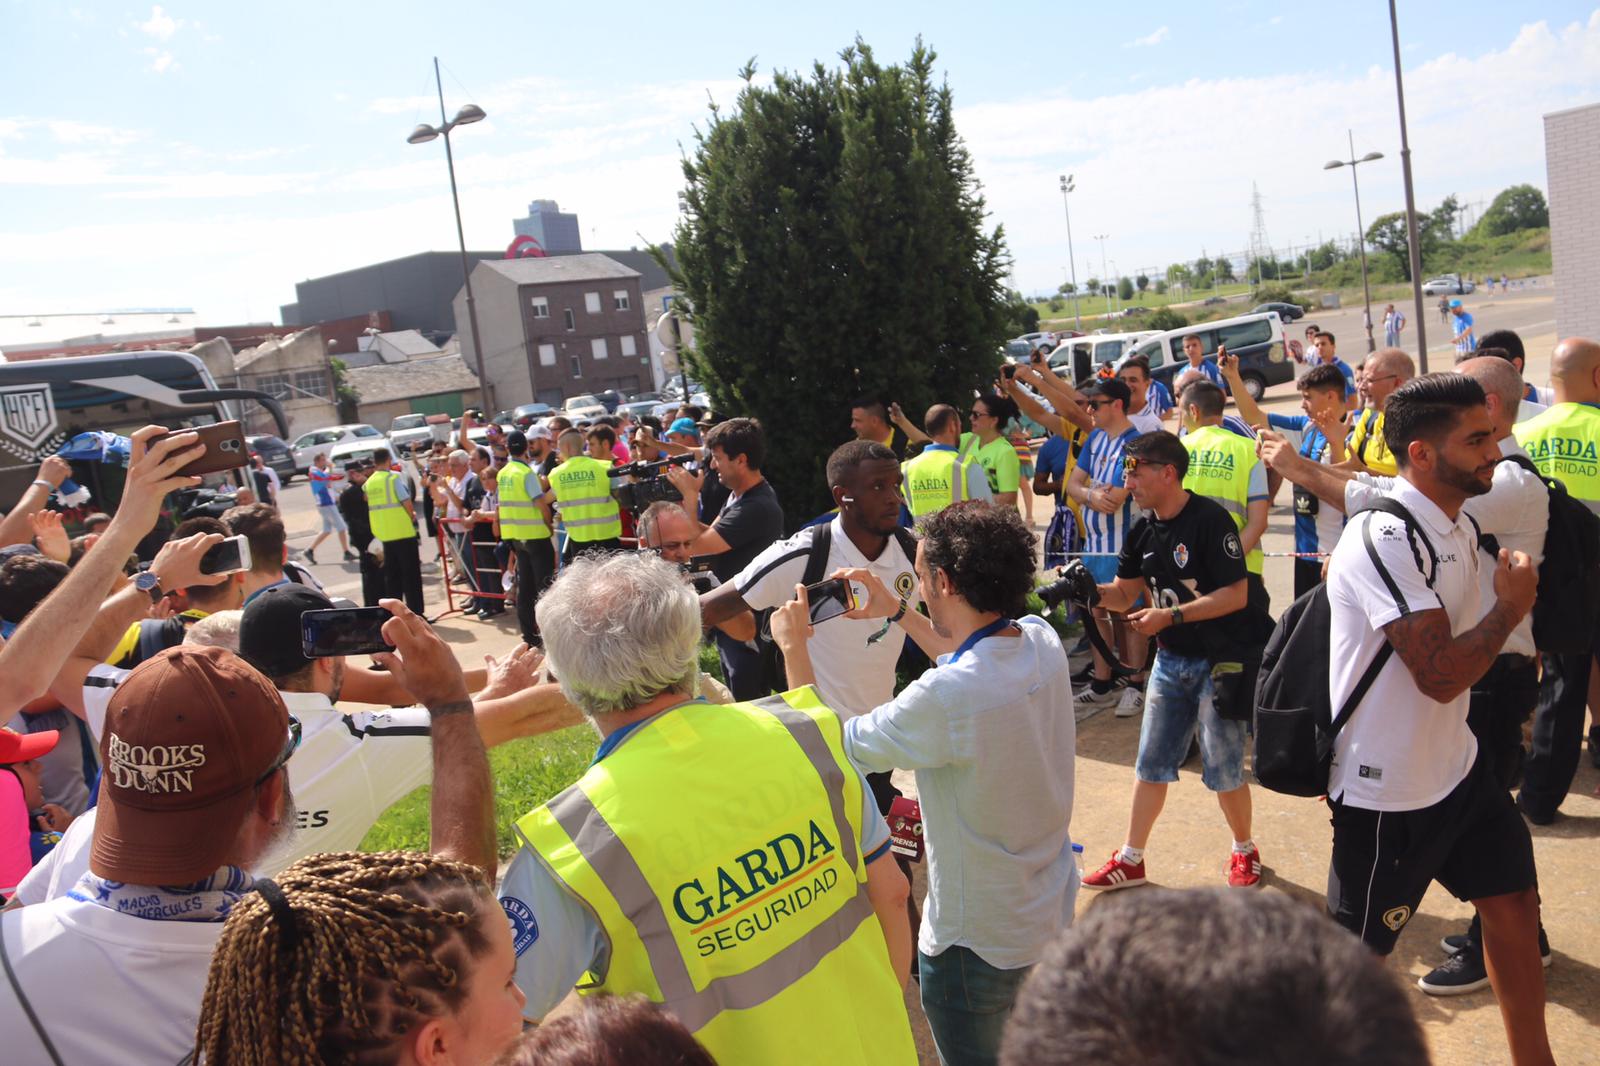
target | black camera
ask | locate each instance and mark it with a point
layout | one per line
(700, 576)
(1073, 582)
(651, 486)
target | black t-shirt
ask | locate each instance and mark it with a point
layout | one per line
(353, 505)
(749, 524)
(1195, 552)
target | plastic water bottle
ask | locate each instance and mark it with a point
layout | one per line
(1077, 859)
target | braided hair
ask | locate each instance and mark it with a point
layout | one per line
(342, 957)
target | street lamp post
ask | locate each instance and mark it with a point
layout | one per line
(1101, 237)
(1066, 187)
(468, 114)
(1421, 319)
(1361, 236)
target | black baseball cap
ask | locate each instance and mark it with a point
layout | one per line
(1111, 389)
(269, 629)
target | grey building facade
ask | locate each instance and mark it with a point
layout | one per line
(555, 230)
(1571, 152)
(558, 327)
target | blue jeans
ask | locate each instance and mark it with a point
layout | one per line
(967, 1002)
(1177, 700)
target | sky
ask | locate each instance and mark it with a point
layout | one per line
(210, 155)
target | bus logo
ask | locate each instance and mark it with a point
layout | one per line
(27, 413)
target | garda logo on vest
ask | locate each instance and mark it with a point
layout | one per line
(1211, 461)
(753, 892)
(524, 927)
(1555, 456)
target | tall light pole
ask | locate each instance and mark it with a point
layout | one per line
(424, 133)
(1361, 235)
(1421, 318)
(1101, 237)
(1066, 187)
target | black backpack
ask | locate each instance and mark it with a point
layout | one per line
(1294, 724)
(1566, 614)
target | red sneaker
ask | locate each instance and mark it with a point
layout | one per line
(1244, 869)
(1116, 874)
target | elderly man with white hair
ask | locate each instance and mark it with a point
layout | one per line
(728, 862)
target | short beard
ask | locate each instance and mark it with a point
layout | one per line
(1459, 478)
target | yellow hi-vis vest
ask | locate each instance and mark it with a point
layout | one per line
(935, 479)
(1564, 443)
(583, 497)
(740, 906)
(386, 511)
(1220, 462)
(520, 517)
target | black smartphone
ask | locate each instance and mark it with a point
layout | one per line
(343, 631)
(831, 598)
(229, 557)
(1008, 371)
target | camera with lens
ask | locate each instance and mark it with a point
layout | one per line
(1073, 582)
(650, 486)
(700, 576)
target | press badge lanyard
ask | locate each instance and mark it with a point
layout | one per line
(987, 631)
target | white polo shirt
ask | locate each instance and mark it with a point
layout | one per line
(1516, 510)
(1400, 751)
(106, 987)
(853, 676)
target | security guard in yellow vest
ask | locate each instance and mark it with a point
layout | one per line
(525, 526)
(1564, 443)
(582, 486)
(394, 524)
(943, 472)
(727, 862)
(1224, 467)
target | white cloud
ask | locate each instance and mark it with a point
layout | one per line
(1275, 20)
(160, 25)
(1160, 34)
(161, 60)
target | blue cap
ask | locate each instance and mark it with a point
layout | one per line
(1455, 303)
(685, 425)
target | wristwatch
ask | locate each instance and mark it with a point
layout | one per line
(149, 581)
(1177, 616)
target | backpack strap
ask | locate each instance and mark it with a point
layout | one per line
(908, 543)
(1391, 506)
(817, 561)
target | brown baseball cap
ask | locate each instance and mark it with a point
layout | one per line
(188, 736)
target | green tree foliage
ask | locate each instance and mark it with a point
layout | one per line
(1164, 318)
(1161, 286)
(1093, 286)
(1519, 207)
(1224, 269)
(1388, 235)
(1067, 288)
(1143, 281)
(1203, 266)
(1124, 289)
(835, 243)
(1055, 305)
(1021, 316)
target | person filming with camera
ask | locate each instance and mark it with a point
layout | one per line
(1184, 556)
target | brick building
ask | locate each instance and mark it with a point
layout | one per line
(557, 327)
(1572, 171)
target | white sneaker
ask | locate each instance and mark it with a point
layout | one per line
(1131, 705)
(1088, 697)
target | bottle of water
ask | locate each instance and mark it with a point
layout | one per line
(1077, 858)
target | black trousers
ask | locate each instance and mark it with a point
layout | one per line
(402, 572)
(1557, 735)
(743, 667)
(372, 587)
(1307, 576)
(590, 547)
(536, 568)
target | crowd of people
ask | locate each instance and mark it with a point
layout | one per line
(188, 778)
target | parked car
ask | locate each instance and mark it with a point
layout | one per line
(1448, 285)
(307, 445)
(529, 413)
(584, 405)
(1212, 301)
(361, 448)
(1287, 312)
(1257, 339)
(410, 432)
(275, 453)
(1084, 356)
(636, 408)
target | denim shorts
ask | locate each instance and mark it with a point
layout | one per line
(1177, 699)
(332, 520)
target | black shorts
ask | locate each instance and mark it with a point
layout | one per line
(1473, 842)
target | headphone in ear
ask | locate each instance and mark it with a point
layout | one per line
(847, 499)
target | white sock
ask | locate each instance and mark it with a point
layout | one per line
(1131, 855)
(1243, 847)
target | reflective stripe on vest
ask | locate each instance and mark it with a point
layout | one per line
(587, 514)
(1219, 469)
(756, 1005)
(520, 517)
(387, 512)
(1564, 443)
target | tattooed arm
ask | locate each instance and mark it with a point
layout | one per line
(1442, 665)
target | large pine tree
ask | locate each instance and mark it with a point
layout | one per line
(835, 245)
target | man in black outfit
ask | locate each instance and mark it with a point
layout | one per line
(353, 508)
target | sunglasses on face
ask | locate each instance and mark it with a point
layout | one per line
(1131, 463)
(290, 745)
(975, 413)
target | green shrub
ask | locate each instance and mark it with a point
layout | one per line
(1165, 318)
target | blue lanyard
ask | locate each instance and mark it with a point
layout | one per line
(987, 631)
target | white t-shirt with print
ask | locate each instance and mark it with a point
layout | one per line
(853, 676)
(1400, 750)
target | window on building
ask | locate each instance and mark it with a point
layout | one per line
(591, 302)
(577, 367)
(275, 385)
(541, 307)
(619, 298)
(572, 323)
(547, 355)
(597, 348)
(628, 344)
(314, 382)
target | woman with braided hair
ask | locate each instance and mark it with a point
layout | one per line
(393, 957)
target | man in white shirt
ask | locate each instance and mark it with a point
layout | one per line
(1411, 799)
(990, 734)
